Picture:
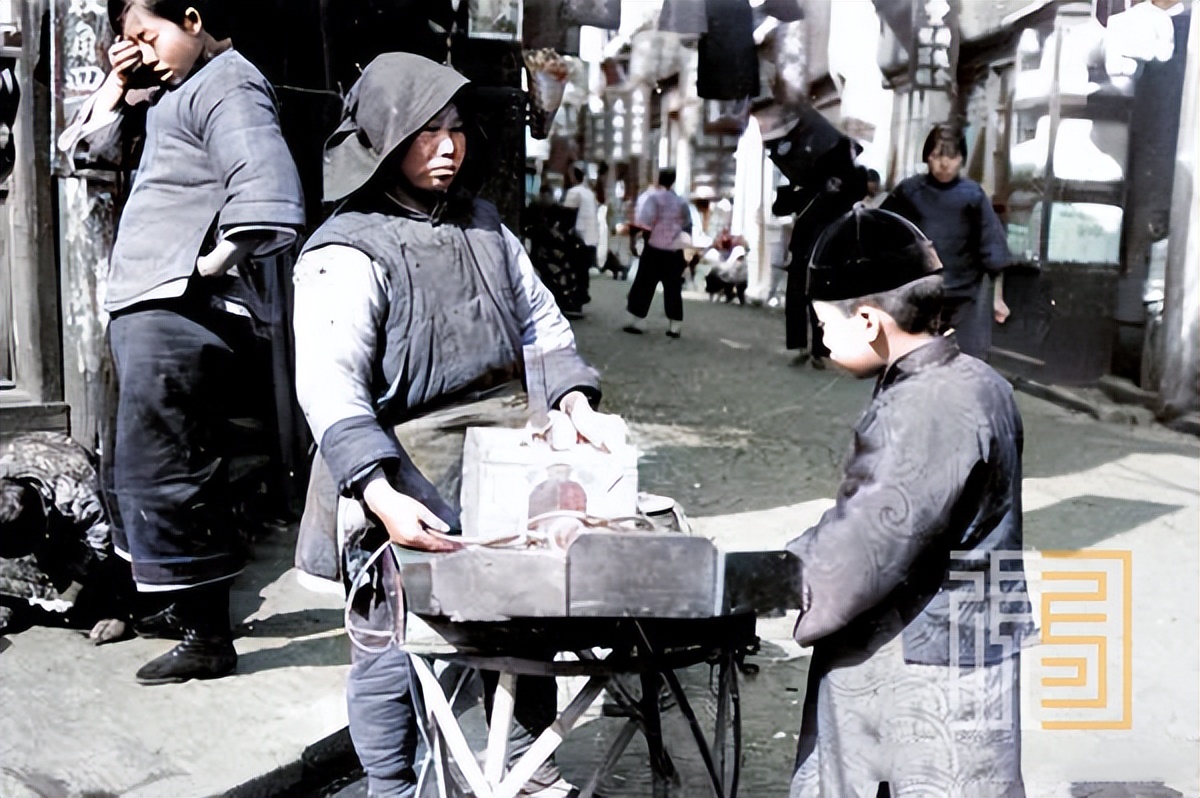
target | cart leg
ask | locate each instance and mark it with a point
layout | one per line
(720, 762)
(449, 730)
(498, 728)
(549, 740)
(661, 769)
(610, 759)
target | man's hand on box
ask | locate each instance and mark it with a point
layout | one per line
(407, 520)
(602, 430)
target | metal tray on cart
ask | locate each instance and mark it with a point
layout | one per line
(602, 575)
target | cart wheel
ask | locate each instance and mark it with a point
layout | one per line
(727, 733)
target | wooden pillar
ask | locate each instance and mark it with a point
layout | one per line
(87, 216)
(29, 249)
(1179, 392)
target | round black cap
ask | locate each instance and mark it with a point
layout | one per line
(868, 251)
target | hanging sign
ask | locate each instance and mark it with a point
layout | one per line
(495, 19)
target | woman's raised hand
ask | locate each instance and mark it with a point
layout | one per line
(407, 520)
(125, 57)
(602, 430)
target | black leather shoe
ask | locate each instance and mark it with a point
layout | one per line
(195, 658)
(163, 624)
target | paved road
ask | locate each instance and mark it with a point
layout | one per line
(751, 446)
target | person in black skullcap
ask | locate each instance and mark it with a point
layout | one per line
(914, 675)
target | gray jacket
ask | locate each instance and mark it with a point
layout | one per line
(214, 164)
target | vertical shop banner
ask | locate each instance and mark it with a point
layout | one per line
(596, 13)
(728, 67)
(638, 121)
(79, 61)
(495, 19)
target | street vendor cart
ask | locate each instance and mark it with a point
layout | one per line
(638, 607)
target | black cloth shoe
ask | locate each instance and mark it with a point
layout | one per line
(164, 624)
(629, 328)
(195, 658)
(673, 333)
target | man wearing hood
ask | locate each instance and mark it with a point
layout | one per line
(414, 304)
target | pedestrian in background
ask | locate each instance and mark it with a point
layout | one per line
(914, 595)
(834, 185)
(957, 215)
(215, 187)
(581, 197)
(874, 196)
(664, 220)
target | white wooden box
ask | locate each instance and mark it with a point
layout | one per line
(501, 468)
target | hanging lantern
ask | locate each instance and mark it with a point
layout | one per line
(548, 74)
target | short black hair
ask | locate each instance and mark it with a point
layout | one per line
(872, 176)
(917, 307)
(578, 173)
(950, 134)
(212, 13)
(666, 177)
(22, 518)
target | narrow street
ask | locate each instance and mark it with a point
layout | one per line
(751, 446)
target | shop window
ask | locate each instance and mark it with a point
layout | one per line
(1080, 232)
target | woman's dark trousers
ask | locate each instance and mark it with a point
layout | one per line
(184, 369)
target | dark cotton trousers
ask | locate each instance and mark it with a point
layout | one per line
(183, 369)
(799, 316)
(658, 266)
(972, 322)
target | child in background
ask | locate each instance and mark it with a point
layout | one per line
(913, 591)
(215, 186)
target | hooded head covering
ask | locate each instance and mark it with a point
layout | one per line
(391, 101)
(868, 251)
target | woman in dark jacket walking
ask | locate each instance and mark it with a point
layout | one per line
(956, 214)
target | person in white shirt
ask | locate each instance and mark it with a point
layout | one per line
(587, 224)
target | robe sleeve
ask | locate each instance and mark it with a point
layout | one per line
(340, 300)
(93, 139)
(240, 127)
(907, 470)
(993, 240)
(546, 328)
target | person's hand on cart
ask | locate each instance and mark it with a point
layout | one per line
(408, 522)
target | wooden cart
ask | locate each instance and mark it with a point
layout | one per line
(645, 650)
